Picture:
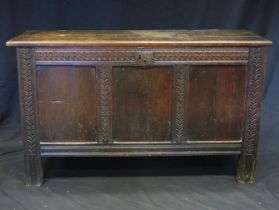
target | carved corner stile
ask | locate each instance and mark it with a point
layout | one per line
(247, 164)
(28, 103)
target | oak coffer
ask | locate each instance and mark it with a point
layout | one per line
(140, 93)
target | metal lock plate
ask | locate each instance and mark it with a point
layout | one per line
(144, 58)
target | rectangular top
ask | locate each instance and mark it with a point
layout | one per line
(139, 38)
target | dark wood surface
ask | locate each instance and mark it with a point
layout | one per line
(176, 93)
(216, 103)
(142, 104)
(67, 103)
(177, 38)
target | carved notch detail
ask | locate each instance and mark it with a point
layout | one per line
(26, 68)
(105, 103)
(255, 86)
(179, 107)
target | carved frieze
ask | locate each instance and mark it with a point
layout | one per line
(131, 55)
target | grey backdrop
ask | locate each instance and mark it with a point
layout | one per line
(137, 183)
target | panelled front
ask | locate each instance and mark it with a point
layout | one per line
(178, 97)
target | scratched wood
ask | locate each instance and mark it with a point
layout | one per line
(216, 109)
(139, 38)
(67, 104)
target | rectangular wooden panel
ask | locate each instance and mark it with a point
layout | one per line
(67, 103)
(216, 103)
(142, 104)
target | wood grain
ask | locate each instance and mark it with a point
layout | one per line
(216, 105)
(142, 104)
(139, 38)
(67, 104)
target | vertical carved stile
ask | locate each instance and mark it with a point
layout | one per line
(178, 130)
(104, 111)
(26, 67)
(247, 163)
(28, 101)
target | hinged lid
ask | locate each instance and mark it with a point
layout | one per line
(140, 38)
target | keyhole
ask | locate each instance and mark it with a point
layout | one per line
(139, 56)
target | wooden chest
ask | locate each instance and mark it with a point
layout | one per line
(140, 93)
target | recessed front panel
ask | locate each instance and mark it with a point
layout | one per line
(67, 103)
(142, 104)
(216, 103)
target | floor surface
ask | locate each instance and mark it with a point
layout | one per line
(137, 183)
